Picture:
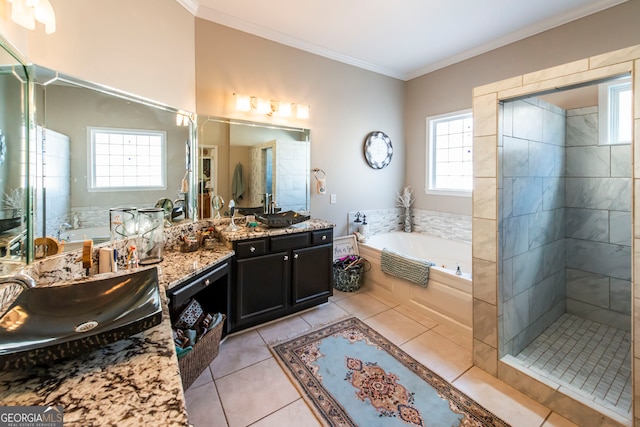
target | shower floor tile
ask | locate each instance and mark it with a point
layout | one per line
(586, 356)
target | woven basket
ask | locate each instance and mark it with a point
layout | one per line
(348, 280)
(203, 353)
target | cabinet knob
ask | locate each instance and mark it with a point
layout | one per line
(286, 257)
(295, 256)
(207, 282)
(252, 249)
(324, 237)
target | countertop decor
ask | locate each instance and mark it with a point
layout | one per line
(132, 382)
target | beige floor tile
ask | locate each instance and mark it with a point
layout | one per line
(204, 378)
(455, 336)
(442, 356)
(424, 320)
(204, 407)
(239, 351)
(556, 420)
(386, 301)
(338, 295)
(290, 327)
(254, 392)
(362, 305)
(395, 326)
(503, 400)
(297, 414)
(324, 314)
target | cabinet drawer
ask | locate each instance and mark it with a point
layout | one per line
(321, 237)
(251, 248)
(290, 241)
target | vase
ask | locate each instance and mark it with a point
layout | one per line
(407, 220)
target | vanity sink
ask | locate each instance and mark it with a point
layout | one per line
(44, 324)
(281, 219)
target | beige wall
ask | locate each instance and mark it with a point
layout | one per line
(346, 104)
(450, 89)
(144, 47)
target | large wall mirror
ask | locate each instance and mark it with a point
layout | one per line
(97, 149)
(254, 159)
(14, 229)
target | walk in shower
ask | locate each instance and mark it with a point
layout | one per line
(565, 240)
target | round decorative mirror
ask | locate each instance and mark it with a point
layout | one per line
(378, 150)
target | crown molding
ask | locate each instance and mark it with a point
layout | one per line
(190, 5)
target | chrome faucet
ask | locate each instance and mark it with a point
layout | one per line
(21, 279)
(64, 226)
(266, 203)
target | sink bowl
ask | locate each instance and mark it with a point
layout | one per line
(281, 219)
(44, 324)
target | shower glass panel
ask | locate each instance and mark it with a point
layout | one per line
(565, 240)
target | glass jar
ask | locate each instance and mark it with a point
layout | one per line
(150, 235)
(123, 223)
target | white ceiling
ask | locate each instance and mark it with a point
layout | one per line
(402, 38)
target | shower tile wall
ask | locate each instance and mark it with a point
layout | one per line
(598, 223)
(532, 226)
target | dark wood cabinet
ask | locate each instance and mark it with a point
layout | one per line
(261, 286)
(279, 275)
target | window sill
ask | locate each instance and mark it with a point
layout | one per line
(449, 193)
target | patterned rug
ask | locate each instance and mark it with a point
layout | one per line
(353, 376)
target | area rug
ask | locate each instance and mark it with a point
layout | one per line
(353, 376)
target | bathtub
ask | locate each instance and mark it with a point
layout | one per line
(447, 298)
(74, 238)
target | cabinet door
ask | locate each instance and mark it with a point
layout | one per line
(261, 288)
(312, 273)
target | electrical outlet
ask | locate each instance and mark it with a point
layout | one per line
(332, 199)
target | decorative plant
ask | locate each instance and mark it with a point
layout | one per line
(13, 200)
(406, 199)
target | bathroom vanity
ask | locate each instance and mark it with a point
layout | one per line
(278, 271)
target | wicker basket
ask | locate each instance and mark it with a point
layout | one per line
(203, 353)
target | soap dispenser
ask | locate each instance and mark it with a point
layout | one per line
(364, 227)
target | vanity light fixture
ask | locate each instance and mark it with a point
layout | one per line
(183, 118)
(253, 104)
(26, 12)
(302, 111)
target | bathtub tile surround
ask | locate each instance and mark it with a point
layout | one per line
(441, 224)
(485, 236)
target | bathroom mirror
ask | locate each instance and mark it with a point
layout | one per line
(14, 224)
(97, 148)
(259, 158)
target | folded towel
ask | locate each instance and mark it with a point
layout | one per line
(405, 267)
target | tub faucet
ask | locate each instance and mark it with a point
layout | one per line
(21, 279)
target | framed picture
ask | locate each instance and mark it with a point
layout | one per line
(345, 246)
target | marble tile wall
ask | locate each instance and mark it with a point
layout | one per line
(487, 141)
(441, 224)
(598, 223)
(532, 221)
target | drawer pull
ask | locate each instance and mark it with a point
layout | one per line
(295, 256)
(286, 258)
(207, 282)
(324, 237)
(252, 249)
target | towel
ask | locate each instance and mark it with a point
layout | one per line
(237, 186)
(405, 267)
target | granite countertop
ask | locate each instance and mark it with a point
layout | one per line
(243, 232)
(132, 382)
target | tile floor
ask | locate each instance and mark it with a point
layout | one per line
(245, 386)
(588, 357)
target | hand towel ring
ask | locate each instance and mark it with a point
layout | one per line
(315, 174)
(321, 183)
